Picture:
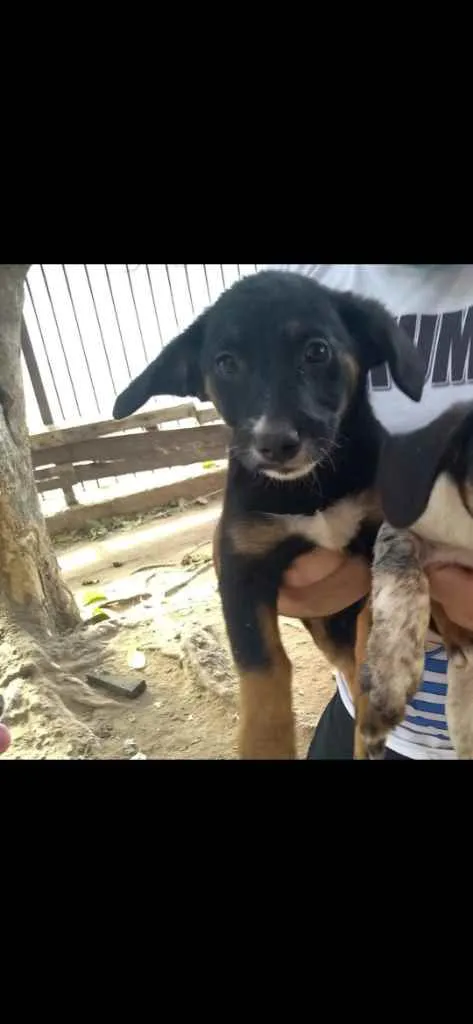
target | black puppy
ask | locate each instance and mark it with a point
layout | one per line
(285, 362)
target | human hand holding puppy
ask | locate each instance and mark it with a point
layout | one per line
(324, 582)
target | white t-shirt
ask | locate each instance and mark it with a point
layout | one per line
(435, 306)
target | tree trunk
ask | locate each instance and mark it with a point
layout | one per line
(32, 592)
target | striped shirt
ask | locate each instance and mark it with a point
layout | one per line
(423, 734)
(434, 305)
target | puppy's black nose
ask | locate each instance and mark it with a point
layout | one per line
(278, 443)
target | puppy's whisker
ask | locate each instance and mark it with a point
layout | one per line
(327, 455)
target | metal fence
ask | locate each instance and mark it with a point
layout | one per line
(90, 328)
(94, 326)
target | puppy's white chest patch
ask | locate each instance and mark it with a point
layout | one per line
(445, 521)
(333, 528)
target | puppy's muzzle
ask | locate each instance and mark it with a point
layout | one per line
(277, 444)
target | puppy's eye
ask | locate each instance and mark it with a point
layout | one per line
(317, 351)
(227, 365)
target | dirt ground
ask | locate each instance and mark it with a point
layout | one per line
(165, 627)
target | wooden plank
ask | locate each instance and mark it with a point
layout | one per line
(57, 436)
(141, 501)
(196, 440)
(51, 478)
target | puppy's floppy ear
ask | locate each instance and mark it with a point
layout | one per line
(410, 463)
(381, 340)
(176, 371)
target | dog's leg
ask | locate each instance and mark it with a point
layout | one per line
(459, 705)
(250, 557)
(395, 650)
(359, 692)
(370, 723)
(365, 715)
(266, 717)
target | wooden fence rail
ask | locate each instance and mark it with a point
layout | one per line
(132, 453)
(53, 437)
(64, 456)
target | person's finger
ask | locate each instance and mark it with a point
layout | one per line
(4, 738)
(313, 567)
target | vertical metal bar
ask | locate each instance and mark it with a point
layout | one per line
(207, 281)
(222, 275)
(179, 422)
(172, 295)
(100, 328)
(118, 321)
(189, 288)
(41, 396)
(80, 337)
(154, 304)
(136, 312)
(60, 339)
(38, 324)
(97, 482)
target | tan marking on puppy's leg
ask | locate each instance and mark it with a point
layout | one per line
(256, 537)
(266, 717)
